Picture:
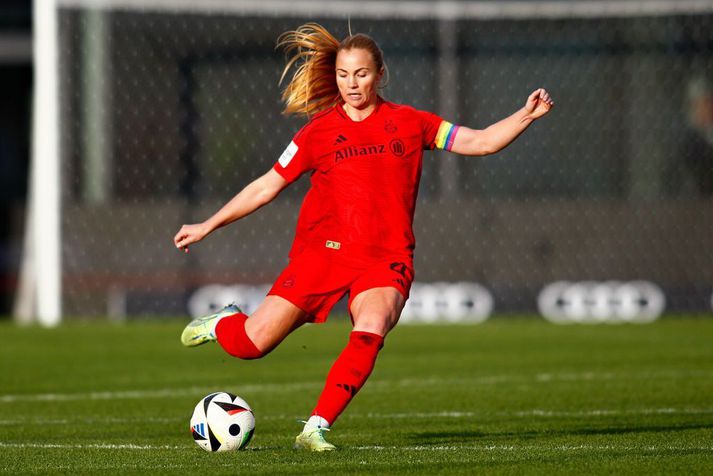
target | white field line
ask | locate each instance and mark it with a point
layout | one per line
(101, 446)
(604, 412)
(154, 393)
(539, 413)
(560, 448)
(85, 421)
(374, 385)
(380, 416)
(543, 378)
(481, 448)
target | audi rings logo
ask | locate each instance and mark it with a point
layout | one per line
(447, 302)
(565, 302)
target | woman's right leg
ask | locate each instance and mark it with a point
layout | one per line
(272, 321)
(254, 336)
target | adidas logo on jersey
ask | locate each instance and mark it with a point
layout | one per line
(340, 139)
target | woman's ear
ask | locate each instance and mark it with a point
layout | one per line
(380, 79)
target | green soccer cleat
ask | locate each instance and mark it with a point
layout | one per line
(202, 330)
(313, 440)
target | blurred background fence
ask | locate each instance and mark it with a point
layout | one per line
(168, 109)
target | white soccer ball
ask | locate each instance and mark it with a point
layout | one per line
(222, 421)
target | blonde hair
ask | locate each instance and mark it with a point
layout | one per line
(313, 87)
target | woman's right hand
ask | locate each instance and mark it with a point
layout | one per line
(189, 234)
(538, 103)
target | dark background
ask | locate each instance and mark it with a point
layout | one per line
(600, 190)
(15, 106)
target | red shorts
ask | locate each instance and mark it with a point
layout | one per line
(316, 280)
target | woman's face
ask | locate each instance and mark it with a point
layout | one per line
(357, 77)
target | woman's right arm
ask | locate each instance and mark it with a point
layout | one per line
(256, 194)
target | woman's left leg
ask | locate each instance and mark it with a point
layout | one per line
(375, 312)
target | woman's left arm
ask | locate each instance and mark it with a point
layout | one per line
(499, 135)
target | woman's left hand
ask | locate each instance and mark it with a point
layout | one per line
(538, 104)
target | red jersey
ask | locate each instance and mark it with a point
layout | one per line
(365, 178)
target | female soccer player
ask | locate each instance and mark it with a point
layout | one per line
(354, 232)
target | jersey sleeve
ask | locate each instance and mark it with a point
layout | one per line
(437, 132)
(296, 158)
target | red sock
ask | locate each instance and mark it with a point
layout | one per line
(348, 374)
(230, 334)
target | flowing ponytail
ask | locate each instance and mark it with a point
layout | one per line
(313, 86)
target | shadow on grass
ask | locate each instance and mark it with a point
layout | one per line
(478, 436)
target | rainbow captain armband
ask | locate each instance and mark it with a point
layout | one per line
(446, 135)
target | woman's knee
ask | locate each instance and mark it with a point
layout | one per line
(377, 310)
(376, 322)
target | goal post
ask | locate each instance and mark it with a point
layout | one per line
(42, 261)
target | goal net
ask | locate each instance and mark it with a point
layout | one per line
(166, 108)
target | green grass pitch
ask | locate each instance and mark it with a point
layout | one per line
(510, 396)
